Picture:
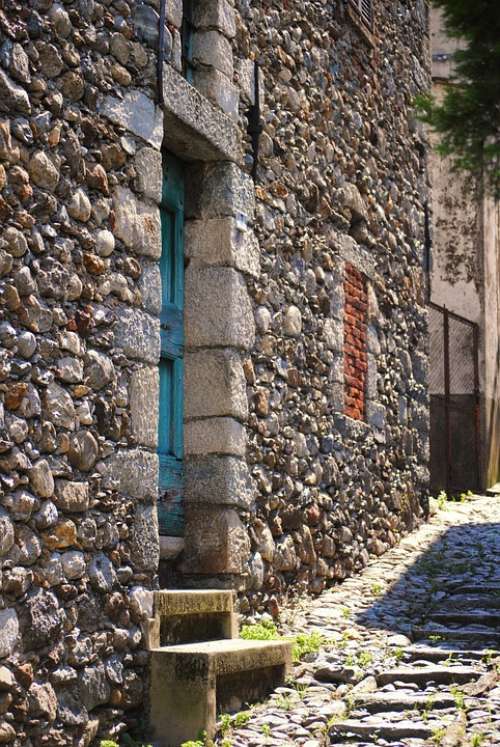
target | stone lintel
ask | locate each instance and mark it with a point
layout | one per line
(216, 480)
(195, 129)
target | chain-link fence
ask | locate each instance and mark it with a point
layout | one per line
(454, 401)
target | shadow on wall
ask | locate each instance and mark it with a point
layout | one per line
(461, 559)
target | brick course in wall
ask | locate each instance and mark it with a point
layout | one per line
(355, 352)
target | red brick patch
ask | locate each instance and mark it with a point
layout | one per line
(355, 330)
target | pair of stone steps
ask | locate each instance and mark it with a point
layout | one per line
(445, 675)
(199, 666)
(400, 714)
(470, 615)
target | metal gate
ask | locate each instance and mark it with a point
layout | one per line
(454, 401)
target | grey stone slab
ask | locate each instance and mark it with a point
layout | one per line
(218, 480)
(215, 436)
(195, 129)
(218, 312)
(225, 190)
(144, 392)
(9, 631)
(138, 335)
(381, 728)
(133, 472)
(214, 385)
(215, 14)
(136, 113)
(218, 544)
(223, 242)
(145, 538)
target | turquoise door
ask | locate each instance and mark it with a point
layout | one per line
(170, 427)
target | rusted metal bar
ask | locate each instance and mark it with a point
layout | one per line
(452, 314)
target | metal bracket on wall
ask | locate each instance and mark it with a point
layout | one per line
(255, 127)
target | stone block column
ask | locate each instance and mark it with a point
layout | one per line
(219, 328)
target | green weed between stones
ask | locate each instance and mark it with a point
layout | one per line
(362, 659)
(126, 741)
(266, 730)
(438, 735)
(444, 500)
(303, 643)
(458, 697)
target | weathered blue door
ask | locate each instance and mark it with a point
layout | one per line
(170, 436)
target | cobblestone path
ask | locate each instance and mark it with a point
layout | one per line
(412, 647)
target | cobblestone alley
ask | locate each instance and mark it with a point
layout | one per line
(411, 647)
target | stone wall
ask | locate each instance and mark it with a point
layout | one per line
(79, 334)
(283, 491)
(341, 179)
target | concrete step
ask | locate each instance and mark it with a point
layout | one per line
(422, 675)
(188, 616)
(190, 683)
(175, 602)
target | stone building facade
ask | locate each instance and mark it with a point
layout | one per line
(300, 363)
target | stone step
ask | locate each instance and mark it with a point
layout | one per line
(394, 701)
(422, 675)
(405, 729)
(481, 602)
(190, 683)
(490, 588)
(483, 636)
(188, 616)
(494, 491)
(438, 654)
(475, 617)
